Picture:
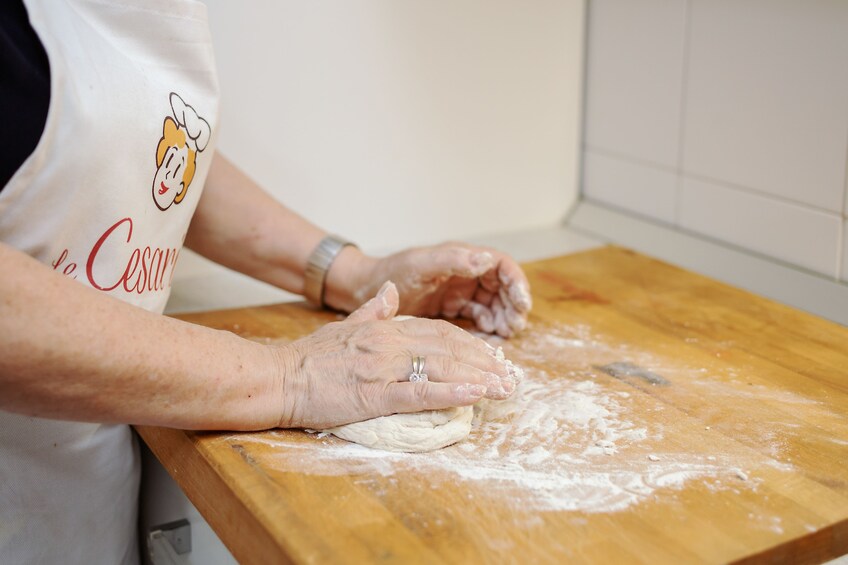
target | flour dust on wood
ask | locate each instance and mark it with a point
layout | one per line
(588, 430)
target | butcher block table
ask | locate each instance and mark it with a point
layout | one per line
(665, 418)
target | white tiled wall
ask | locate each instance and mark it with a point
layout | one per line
(724, 117)
(635, 68)
(646, 190)
(845, 250)
(800, 235)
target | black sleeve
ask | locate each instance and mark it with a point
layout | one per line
(24, 88)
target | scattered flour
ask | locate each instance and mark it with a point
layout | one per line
(555, 444)
(571, 438)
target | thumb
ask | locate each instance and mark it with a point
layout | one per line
(383, 306)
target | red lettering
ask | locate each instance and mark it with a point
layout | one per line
(145, 261)
(89, 266)
(145, 269)
(174, 257)
(132, 267)
(60, 260)
(69, 269)
(158, 267)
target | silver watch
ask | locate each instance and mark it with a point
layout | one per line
(315, 276)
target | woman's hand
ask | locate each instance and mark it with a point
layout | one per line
(359, 368)
(450, 280)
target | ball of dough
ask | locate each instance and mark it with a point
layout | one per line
(419, 431)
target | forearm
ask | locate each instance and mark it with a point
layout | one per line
(70, 352)
(240, 226)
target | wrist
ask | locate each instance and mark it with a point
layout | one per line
(288, 384)
(248, 384)
(318, 265)
(349, 280)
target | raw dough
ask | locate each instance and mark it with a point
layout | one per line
(420, 431)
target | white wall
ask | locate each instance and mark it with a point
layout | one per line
(727, 118)
(397, 122)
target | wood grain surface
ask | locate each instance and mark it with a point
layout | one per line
(665, 418)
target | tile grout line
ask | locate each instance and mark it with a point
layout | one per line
(584, 105)
(681, 126)
(612, 154)
(844, 210)
(703, 238)
(712, 180)
(841, 267)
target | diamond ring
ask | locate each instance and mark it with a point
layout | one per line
(417, 375)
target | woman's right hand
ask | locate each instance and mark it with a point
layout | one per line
(359, 368)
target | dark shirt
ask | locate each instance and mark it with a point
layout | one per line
(24, 88)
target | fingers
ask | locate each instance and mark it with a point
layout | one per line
(414, 397)
(511, 301)
(481, 315)
(457, 296)
(456, 279)
(455, 260)
(424, 327)
(507, 318)
(481, 357)
(513, 279)
(418, 336)
(489, 281)
(499, 315)
(496, 318)
(383, 306)
(501, 301)
(449, 371)
(445, 370)
(452, 355)
(360, 368)
(483, 296)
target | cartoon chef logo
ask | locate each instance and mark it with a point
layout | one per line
(183, 136)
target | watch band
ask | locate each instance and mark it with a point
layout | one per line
(317, 266)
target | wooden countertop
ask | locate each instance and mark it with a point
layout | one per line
(666, 418)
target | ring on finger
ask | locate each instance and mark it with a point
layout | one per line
(417, 375)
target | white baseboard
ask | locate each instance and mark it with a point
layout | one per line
(767, 277)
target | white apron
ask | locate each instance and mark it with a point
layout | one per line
(105, 199)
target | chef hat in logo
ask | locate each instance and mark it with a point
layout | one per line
(197, 128)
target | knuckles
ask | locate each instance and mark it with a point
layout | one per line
(443, 329)
(381, 337)
(367, 367)
(452, 244)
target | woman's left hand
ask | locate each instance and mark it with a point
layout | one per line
(452, 280)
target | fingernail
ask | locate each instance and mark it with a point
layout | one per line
(515, 371)
(500, 323)
(470, 392)
(387, 310)
(514, 320)
(499, 354)
(384, 288)
(495, 386)
(508, 385)
(483, 318)
(482, 260)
